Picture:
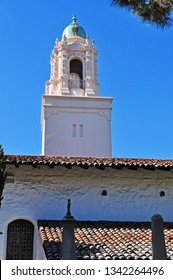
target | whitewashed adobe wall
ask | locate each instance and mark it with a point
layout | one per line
(43, 193)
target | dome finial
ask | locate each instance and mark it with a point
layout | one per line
(74, 19)
(74, 30)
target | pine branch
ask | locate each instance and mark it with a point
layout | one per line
(154, 11)
(166, 3)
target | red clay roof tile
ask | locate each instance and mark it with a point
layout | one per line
(86, 162)
(105, 240)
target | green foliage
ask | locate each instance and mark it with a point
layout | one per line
(152, 11)
(2, 173)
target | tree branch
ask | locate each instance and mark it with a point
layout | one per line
(152, 11)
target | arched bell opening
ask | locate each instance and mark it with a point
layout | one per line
(76, 73)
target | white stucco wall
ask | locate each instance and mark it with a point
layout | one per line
(60, 114)
(42, 193)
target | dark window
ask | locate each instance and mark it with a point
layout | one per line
(76, 67)
(104, 193)
(162, 193)
(20, 240)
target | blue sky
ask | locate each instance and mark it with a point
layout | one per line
(135, 67)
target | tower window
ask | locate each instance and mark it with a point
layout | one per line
(77, 130)
(81, 130)
(74, 130)
(76, 68)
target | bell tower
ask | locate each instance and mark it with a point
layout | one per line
(75, 119)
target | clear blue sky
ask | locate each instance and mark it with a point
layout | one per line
(135, 66)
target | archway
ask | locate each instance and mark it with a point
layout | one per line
(20, 237)
(76, 68)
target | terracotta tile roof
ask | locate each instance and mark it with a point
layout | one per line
(103, 240)
(86, 162)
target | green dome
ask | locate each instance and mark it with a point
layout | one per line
(74, 30)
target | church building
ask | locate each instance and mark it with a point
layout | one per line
(76, 182)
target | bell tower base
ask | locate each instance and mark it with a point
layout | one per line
(76, 126)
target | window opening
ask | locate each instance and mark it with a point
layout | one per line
(162, 193)
(20, 237)
(74, 130)
(76, 69)
(81, 130)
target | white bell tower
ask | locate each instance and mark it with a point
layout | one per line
(75, 121)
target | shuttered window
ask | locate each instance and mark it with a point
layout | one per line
(20, 240)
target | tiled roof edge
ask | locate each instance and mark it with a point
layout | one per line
(86, 162)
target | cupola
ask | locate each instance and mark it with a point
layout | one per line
(73, 64)
(74, 30)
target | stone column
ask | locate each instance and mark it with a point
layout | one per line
(158, 240)
(68, 239)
